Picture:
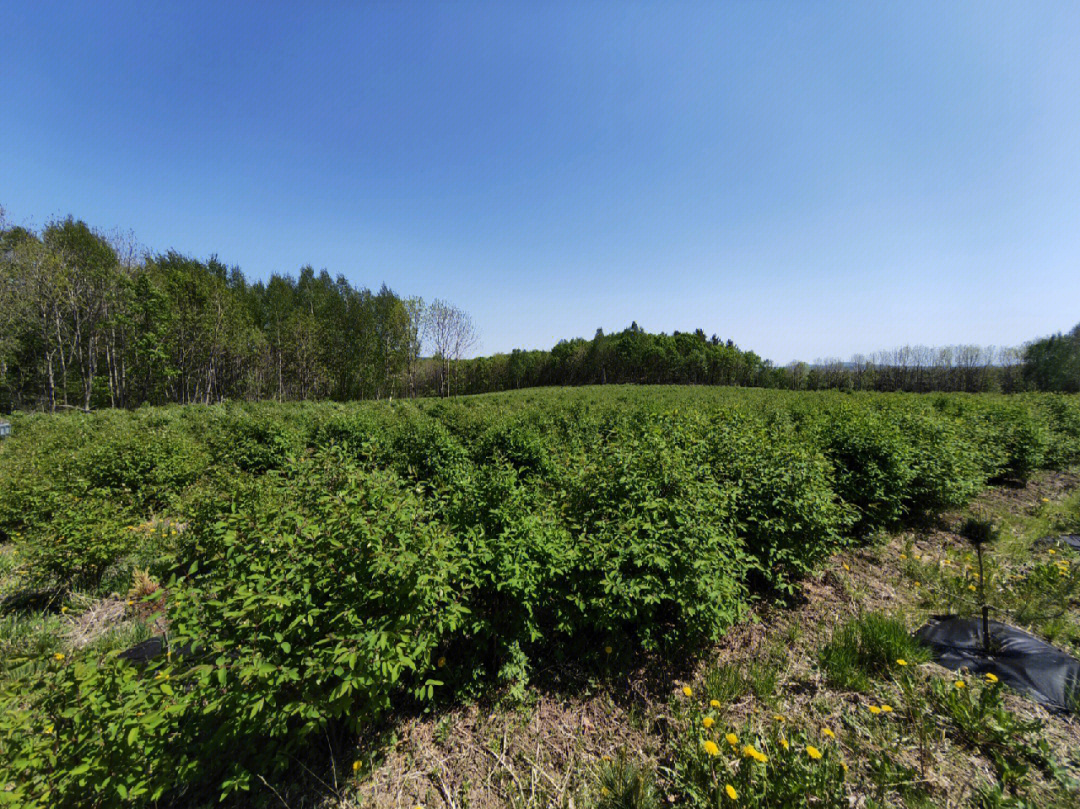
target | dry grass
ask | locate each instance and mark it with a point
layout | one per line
(94, 620)
(542, 754)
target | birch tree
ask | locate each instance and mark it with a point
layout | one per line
(452, 335)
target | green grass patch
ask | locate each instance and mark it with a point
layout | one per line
(625, 784)
(867, 648)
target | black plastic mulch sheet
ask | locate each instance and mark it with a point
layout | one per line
(152, 648)
(1031, 666)
(1072, 540)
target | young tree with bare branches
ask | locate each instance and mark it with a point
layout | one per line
(452, 336)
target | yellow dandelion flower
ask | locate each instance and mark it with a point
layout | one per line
(605, 757)
(903, 556)
(813, 752)
(960, 684)
(874, 709)
(711, 748)
(843, 766)
(715, 703)
(607, 650)
(49, 730)
(605, 791)
(752, 752)
(918, 584)
(440, 662)
(886, 708)
(1051, 551)
(58, 656)
(846, 567)
(778, 717)
(971, 587)
(828, 732)
(707, 721)
(130, 603)
(991, 677)
(732, 739)
(63, 610)
(356, 765)
(784, 743)
(1046, 499)
(688, 691)
(731, 793)
(901, 662)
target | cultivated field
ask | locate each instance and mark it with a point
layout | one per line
(610, 596)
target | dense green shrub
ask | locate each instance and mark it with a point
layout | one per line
(520, 445)
(517, 561)
(251, 442)
(640, 546)
(1021, 439)
(357, 432)
(1061, 414)
(873, 466)
(37, 471)
(82, 540)
(945, 467)
(146, 467)
(336, 577)
(782, 498)
(661, 556)
(326, 594)
(424, 450)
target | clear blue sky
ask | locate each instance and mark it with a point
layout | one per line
(808, 179)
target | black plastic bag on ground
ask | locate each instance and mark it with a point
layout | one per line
(1032, 666)
(152, 648)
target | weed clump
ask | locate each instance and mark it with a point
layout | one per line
(869, 647)
(625, 784)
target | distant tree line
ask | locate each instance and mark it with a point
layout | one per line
(691, 358)
(917, 369)
(87, 321)
(630, 356)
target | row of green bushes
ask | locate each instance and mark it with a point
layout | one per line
(334, 559)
